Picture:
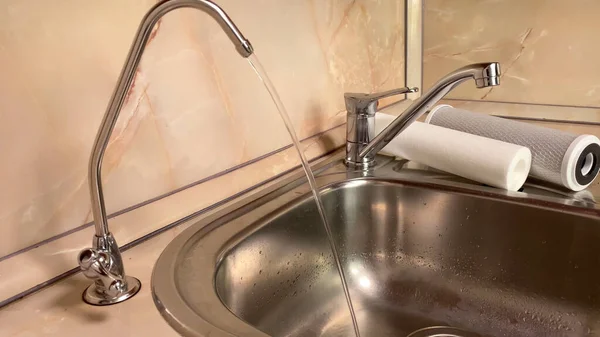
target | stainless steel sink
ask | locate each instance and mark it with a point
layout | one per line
(417, 254)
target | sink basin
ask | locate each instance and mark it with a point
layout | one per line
(416, 255)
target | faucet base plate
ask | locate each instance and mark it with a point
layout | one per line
(93, 297)
(360, 165)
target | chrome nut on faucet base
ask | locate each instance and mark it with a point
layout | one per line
(104, 265)
(129, 287)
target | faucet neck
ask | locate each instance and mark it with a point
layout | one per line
(484, 75)
(103, 263)
(163, 7)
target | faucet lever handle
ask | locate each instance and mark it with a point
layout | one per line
(366, 104)
(379, 95)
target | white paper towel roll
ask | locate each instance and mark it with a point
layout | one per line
(485, 160)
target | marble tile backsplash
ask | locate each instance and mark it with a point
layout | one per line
(548, 49)
(196, 107)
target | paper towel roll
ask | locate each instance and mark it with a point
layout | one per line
(485, 160)
(562, 158)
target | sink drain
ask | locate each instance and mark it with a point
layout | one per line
(442, 331)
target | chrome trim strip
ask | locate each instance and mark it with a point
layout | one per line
(414, 46)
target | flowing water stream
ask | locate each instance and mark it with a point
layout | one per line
(311, 179)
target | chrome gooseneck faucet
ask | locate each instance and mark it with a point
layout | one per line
(103, 263)
(361, 143)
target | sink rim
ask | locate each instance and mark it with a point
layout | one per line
(188, 322)
(172, 307)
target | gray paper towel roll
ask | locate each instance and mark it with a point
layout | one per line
(558, 157)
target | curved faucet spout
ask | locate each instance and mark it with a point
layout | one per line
(243, 47)
(484, 75)
(98, 293)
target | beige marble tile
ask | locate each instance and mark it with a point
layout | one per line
(196, 107)
(546, 48)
